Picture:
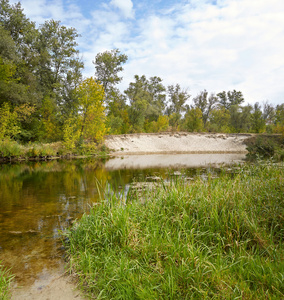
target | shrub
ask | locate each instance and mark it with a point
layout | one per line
(10, 149)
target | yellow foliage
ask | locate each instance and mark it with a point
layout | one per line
(24, 112)
(8, 122)
(71, 133)
(92, 118)
(162, 123)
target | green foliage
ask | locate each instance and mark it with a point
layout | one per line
(9, 126)
(193, 120)
(177, 99)
(230, 98)
(147, 101)
(279, 119)
(108, 65)
(206, 104)
(5, 283)
(266, 146)
(10, 149)
(57, 47)
(219, 120)
(257, 119)
(215, 239)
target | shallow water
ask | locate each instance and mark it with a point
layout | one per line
(37, 200)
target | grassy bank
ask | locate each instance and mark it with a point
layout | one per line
(5, 282)
(220, 238)
(13, 151)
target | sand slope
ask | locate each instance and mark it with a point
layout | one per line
(181, 142)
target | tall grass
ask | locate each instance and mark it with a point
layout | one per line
(5, 282)
(220, 238)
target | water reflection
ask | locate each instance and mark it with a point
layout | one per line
(172, 161)
(37, 200)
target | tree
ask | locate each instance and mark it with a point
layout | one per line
(219, 120)
(91, 112)
(59, 68)
(177, 99)
(193, 119)
(22, 52)
(147, 100)
(240, 118)
(12, 87)
(230, 98)
(108, 64)
(279, 119)
(205, 104)
(257, 119)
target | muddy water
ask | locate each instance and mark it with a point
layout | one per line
(38, 200)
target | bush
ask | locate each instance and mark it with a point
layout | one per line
(265, 147)
(10, 149)
(41, 150)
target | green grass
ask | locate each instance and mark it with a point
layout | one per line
(12, 150)
(215, 239)
(5, 282)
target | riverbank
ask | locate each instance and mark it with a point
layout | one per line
(12, 151)
(179, 142)
(212, 238)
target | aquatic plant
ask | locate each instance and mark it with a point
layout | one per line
(218, 238)
(5, 282)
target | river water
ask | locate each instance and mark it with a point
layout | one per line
(40, 199)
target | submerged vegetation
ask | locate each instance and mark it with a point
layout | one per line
(218, 238)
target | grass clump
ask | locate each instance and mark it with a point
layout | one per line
(5, 283)
(215, 239)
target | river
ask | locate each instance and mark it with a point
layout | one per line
(40, 199)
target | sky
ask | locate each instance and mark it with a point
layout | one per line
(217, 45)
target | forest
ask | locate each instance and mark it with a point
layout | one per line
(45, 98)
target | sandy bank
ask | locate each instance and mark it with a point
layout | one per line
(181, 142)
(56, 287)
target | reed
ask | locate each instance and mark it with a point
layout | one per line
(220, 238)
(5, 283)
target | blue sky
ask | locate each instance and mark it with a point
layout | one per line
(200, 44)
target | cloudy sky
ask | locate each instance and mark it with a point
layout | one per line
(201, 44)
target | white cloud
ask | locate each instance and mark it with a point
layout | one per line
(236, 45)
(228, 44)
(125, 6)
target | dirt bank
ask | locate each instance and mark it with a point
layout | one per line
(180, 142)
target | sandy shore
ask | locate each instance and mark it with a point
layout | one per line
(59, 287)
(181, 142)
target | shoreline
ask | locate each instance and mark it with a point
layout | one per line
(177, 143)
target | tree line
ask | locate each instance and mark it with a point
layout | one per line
(44, 97)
